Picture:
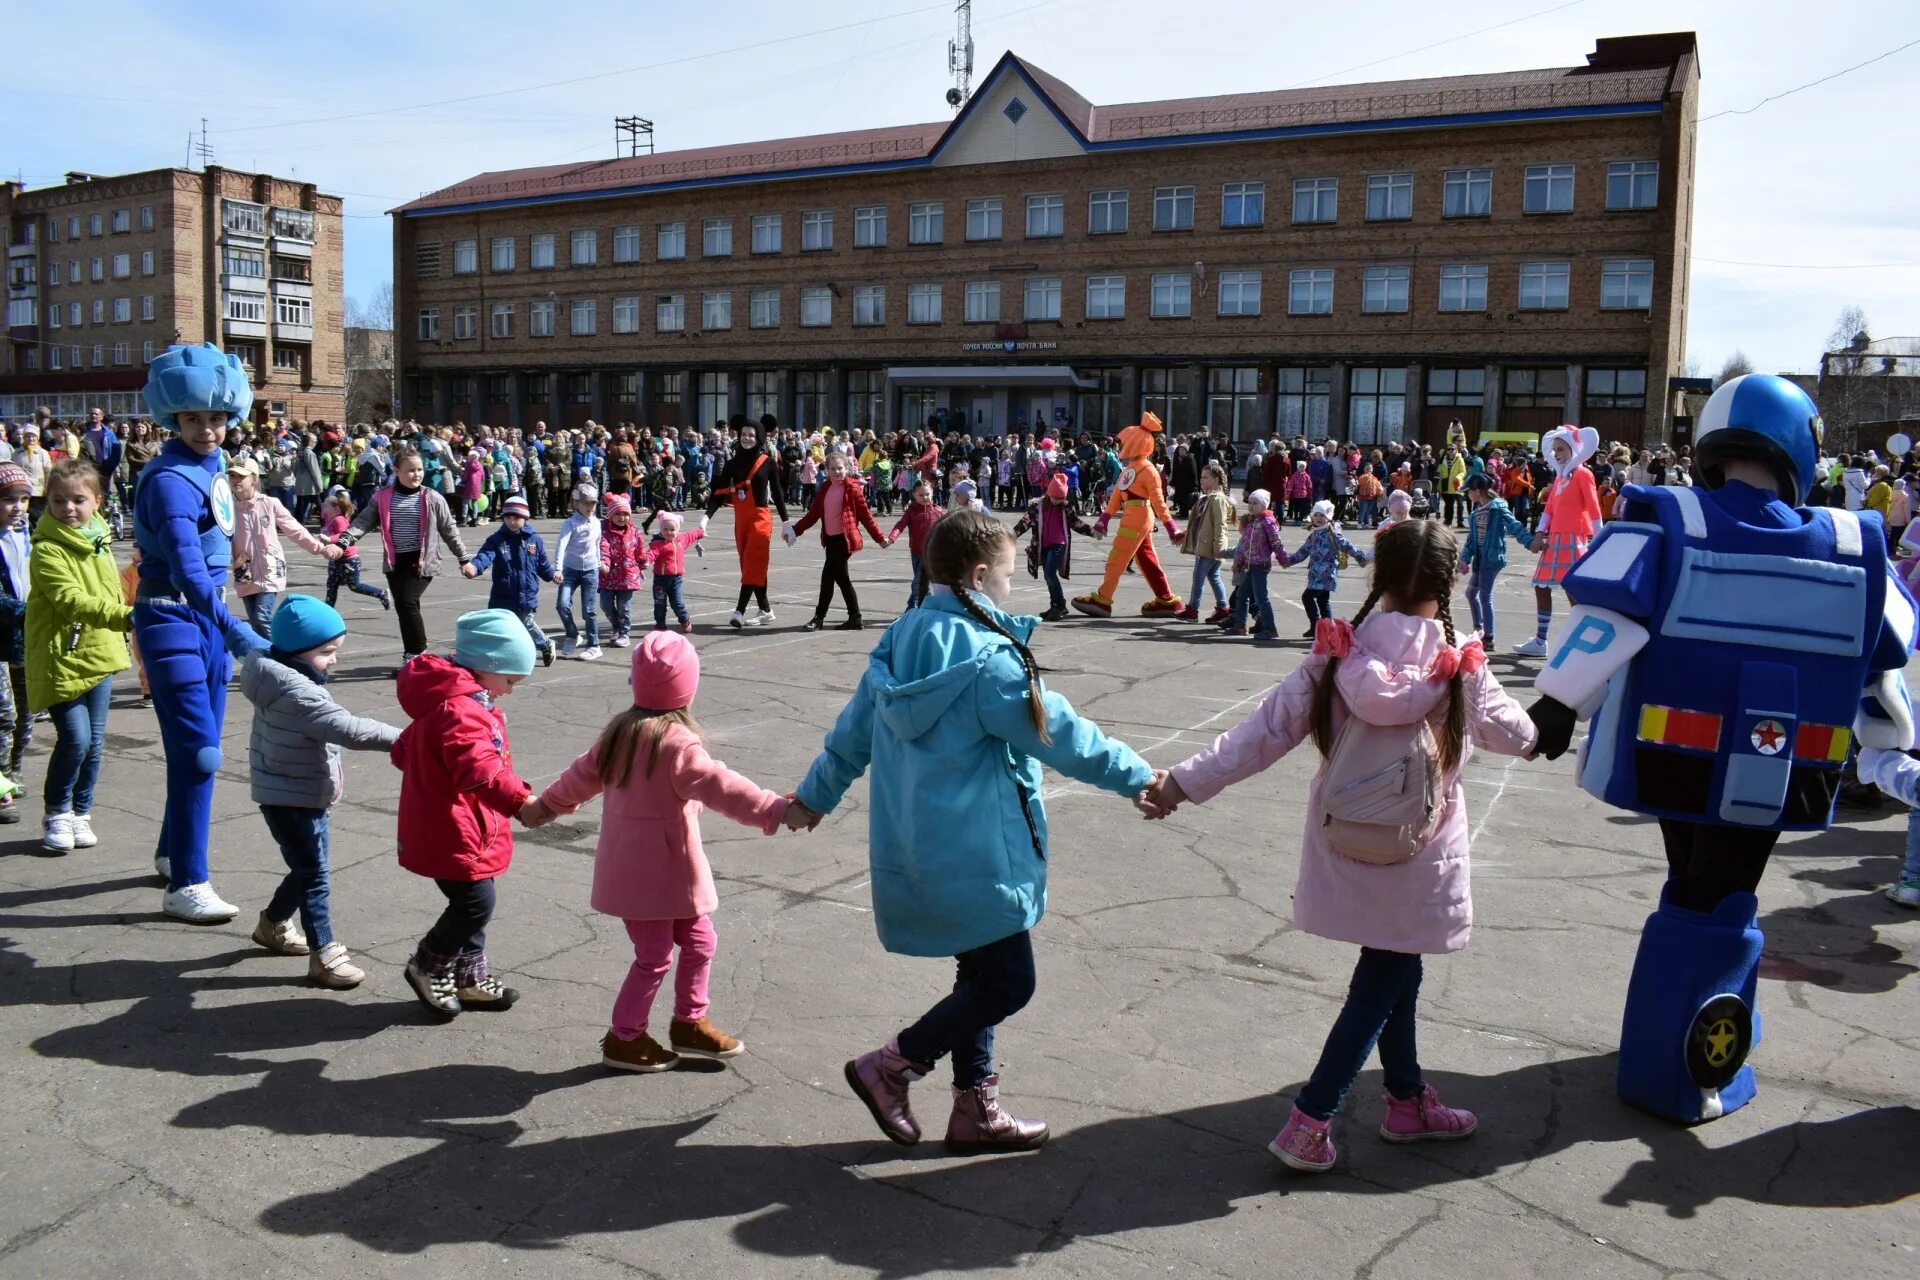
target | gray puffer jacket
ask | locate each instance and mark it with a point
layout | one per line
(298, 730)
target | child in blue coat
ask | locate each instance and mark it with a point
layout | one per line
(953, 723)
(1321, 550)
(519, 561)
(1483, 552)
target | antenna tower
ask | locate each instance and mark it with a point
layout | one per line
(630, 134)
(960, 56)
(200, 148)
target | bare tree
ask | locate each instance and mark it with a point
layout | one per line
(1849, 330)
(1735, 365)
(369, 356)
(1843, 362)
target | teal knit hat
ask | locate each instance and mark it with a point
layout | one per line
(493, 640)
(302, 623)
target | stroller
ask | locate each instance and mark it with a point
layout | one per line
(1421, 493)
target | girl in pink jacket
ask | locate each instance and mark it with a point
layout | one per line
(1399, 666)
(649, 868)
(623, 559)
(259, 561)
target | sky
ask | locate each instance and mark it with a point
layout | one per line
(1804, 205)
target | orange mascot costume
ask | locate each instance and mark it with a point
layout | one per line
(1139, 503)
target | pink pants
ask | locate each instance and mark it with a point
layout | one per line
(653, 944)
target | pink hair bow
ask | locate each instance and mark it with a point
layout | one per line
(1465, 660)
(1333, 636)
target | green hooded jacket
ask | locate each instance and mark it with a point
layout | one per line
(77, 619)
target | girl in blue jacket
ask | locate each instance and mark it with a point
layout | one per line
(954, 724)
(1483, 552)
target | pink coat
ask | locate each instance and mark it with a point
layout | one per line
(1421, 905)
(649, 864)
(258, 524)
(623, 556)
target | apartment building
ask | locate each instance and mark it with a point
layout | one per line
(103, 273)
(1369, 261)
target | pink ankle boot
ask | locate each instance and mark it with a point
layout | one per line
(1425, 1117)
(1304, 1143)
(978, 1124)
(880, 1080)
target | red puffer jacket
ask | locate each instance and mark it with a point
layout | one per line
(458, 790)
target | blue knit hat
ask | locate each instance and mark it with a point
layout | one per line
(302, 623)
(493, 640)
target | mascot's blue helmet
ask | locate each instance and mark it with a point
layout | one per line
(202, 377)
(1766, 418)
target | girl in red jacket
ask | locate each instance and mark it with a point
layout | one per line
(649, 869)
(840, 507)
(623, 558)
(458, 796)
(918, 520)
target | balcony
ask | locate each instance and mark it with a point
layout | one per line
(292, 288)
(293, 231)
(284, 332)
(292, 247)
(244, 328)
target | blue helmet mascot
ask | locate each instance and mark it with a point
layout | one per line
(1728, 647)
(183, 517)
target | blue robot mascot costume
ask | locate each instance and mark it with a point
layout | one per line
(183, 518)
(1729, 648)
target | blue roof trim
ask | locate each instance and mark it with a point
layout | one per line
(1612, 110)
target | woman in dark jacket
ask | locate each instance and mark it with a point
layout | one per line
(1184, 474)
(750, 483)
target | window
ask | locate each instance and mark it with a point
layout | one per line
(869, 226)
(716, 311)
(1389, 197)
(626, 315)
(1467, 193)
(300, 311)
(810, 397)
(73, 271)
(1310, 292)
(244, 262)
(1046, 216)
(1232, 398)
(816, 308)
(99, 311)
(670, 312)
(1376, 405)
(1383, 290)
(99, 355)
(870, 304)
(584, 316)
(30, 358)
(1239, 293)
(1463, 287)
(763, 309)
(670, 241)
(146, 352)
(122, 220)
(1543, 286)
(236, 216)
(540, 319)
(500, 320)
(983, 218)
(926, 222)
(540, 251)
(1633, 184)
(146, 306)
(146, 217)
(1300, 399)
(1043, 299)
(763, 393)
(1172, 295)
(55, 361)
(53, 230)
(146, 262)
(539, 387)
(466, 257)
(123, 310)
(716, 238)
(1315, 199)
(73, 314)
(1536, 389)
(816, 230)
(466, 323)
(501, 251)
(73, 228)
(1106, 212)
(1173, 208)
(1456, 388)
(983, 301)
(20, 313)
(1616, 389)
(1106, 297)
(585, 251)
(1549, 188)
(53, 272)
(626, 244)
(293, 224)
(251, 308)
(1163, 392)
(579, 388)
(96, 269)
(923, 304)
(716, 395)
(1626, 284)
(1243, 204)
(94, 226)
(766, 232)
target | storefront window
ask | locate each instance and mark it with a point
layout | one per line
(1231, 398)
(1377, 405)
(867, 399)
(1097, 410)
(1164, 392)
(763, 394)
(1300, 398)
(716, 393)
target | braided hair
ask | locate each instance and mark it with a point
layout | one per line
(958, 541)
(1413, 562)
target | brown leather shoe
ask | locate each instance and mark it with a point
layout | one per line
(642, 1053)
(979, 1125)
(702, 1039)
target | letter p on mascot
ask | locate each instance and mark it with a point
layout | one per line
(1138, 499)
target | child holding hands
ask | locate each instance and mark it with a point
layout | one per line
(666, 554)
(1321, 549)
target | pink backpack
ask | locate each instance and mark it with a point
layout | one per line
(1384, 792)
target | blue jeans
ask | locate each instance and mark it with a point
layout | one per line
(260, 609)
(1206, 572)
(586, 582)
(990, 985)
(1368, 512)
(913, 585)
(1480, 582)
(1050, 561)
(1911, 873)
(1252, 601)
(80, 731)
(618, 606)
(669, 589)
(532, 623)
(302, 836)
(1379, 1009)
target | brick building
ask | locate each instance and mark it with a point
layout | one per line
(104, 272)
(1869, 391)
(1369, 260)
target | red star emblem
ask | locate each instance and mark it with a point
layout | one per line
(1768, 736)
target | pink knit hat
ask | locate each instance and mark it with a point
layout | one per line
(666, 671)
(619, 502)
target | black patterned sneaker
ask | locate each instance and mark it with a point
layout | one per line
(436, 990)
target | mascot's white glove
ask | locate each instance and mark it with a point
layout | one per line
(703, 522)
(787, 534)
(1894, 772)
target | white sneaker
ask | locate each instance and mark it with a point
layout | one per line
(162, 867)
(765, 618)
(331, 967)
(283, 937)
(738, 620)
(1904, 892)
(197, 904)
(83, 837)
(57, 833)
(568, 648)
(590, 654)
(1532, 647)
